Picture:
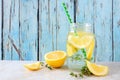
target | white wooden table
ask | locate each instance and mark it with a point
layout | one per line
(14, 70)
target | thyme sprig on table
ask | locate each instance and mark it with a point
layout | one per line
(49, 67)
(46, 65)
(76, 75)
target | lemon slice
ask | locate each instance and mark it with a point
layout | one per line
(70, 49)
(33, 66)
(55, 58)
(98, 70)
(80, 42)
(90, 49)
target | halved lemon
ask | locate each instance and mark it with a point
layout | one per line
(33, 66)
(55, 58)
(98, 70)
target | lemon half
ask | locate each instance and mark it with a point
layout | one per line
(55, 58)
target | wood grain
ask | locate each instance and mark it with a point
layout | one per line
(14, 28)
(116, 30)
(103, 29)
(45, 28)
(84, 11)
(28, 29)
(7, 48)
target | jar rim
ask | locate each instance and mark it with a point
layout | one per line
(81, 26)
(80, 23)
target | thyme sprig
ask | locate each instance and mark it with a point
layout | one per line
(49, 67)
(79, 55)
(86, 71)
(46, 65)
(76, 75)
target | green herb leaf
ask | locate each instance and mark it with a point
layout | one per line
(72, 74)
(76, 75)
(85, 71)
(42, 63)
(81, 75)
(84, 52)
(49, 67)
(76, 57)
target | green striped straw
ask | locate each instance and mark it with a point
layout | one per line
(67, 13)
(68, 16)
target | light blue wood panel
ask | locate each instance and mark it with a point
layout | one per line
(63, 24)
(6, 29)
(0, 28)
(46, 26)
(103, 29)
(53, 22)
(116, 30)
(14, 29)
(28, 29)
(84, 11)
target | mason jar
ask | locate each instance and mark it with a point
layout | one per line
(80, 45)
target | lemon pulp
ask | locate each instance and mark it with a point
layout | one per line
(82, 40)
(33, 66)
(55, 58)
(98, 70)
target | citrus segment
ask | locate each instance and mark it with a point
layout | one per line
(70, 49)
(90, 49)
(33, 66)
(55, 58)
(98, 70)
(80, 42)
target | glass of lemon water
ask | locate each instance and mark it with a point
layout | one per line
(80, 45)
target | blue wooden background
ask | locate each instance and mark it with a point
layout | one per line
(30, 28)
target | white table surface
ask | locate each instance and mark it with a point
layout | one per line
(14, 70)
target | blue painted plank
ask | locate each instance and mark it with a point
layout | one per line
(103, 29)
(45, 28)
(6, 29)
(53, 22)
(116, 30)
(0, 27)
(84, 11)
(63, 24)
(14, 31)
(28, 29)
